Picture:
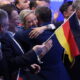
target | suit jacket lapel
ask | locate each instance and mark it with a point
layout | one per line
(15, 44)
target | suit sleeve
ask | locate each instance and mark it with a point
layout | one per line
(24, 60)
(18, 61)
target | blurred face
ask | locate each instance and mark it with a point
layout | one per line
(31, 20)
(15, 17)
(42, 3)
(23, 1)
(14, 21)
(24, 4)
(68, 12)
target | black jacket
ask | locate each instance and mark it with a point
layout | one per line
(14, 58)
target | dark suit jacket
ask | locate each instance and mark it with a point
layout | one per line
(15, 59)
(52, 67)
(72, 67)
(57, 24)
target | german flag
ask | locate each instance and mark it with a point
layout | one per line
(68, 35)
(20, 78)
(20, 75)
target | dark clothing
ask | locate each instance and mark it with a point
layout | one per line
(52, 67)
(18, 10)
(4, 69)
(57, 24)
(14, 57)
(73, 68)
(15, 7)
(31, 76)
(3, 64)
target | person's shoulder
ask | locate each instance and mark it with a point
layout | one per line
(48, 32)
(23, 33)
(27, 31)
(58, 23)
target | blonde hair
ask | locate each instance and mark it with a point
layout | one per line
(25, 13)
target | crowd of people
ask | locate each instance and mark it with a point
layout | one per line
(25, 47)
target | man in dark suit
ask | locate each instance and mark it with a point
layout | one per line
(13, 55)
(52, 67)
(75, 69)
(66, 9)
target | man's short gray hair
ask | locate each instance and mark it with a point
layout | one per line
(76, 4)
(3, 15)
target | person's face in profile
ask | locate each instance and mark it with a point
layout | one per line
(24, 4)
(15, 17)
(68, 12)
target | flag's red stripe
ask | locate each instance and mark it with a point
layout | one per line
(20, 78)
(70, 39)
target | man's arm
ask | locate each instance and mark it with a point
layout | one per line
(39, 30)
(28, 58)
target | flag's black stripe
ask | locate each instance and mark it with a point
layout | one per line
(75, 28)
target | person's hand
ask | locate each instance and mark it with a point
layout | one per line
(35, 68)
(55, 16)
(41, 50)
(37, 31)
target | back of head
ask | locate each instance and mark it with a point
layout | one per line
(76, 5)
(3, 15)
(3, 22)
(65, 6)
(8, 8)
(44, 14)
